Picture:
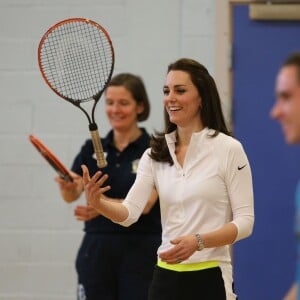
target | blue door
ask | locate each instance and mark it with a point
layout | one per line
(264, 264)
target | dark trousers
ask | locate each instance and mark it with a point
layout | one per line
(116, 266)
(205, 284)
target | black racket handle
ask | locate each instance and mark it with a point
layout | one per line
(101, 161)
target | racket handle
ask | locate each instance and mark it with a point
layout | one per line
(101, 161)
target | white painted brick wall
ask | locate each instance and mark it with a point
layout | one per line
(39, 236)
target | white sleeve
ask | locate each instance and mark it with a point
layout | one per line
(140, 191)
(240, 189)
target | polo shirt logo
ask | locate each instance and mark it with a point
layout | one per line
(134, 166)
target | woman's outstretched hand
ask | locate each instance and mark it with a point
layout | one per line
(93, 187)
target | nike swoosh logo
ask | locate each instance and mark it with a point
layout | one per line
(242, 167)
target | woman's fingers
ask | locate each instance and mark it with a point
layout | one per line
(85, 212)
(93, 186)
(86, 174)
(183, 248)
(96, 179)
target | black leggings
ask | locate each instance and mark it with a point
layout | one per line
(205, 284)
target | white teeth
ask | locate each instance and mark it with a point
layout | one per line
(174, 108)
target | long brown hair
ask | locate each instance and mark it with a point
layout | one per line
(211, 113)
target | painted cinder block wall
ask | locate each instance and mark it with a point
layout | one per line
(39, 236)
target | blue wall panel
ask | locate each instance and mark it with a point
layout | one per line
(264, 263)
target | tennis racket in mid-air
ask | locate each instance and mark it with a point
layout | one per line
(76, 59)
(51, 158)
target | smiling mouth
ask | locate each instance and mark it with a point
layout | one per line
(117, 118)
(171, 109)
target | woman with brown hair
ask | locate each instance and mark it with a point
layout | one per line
(203, 179)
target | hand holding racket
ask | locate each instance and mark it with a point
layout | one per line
(51, 159)
(76, 59)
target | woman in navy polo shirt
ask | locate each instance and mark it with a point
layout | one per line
(115, 262)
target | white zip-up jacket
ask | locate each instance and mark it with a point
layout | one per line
(213, 187)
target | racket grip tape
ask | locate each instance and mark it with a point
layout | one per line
(101, 161)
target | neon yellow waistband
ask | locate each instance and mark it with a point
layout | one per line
(188, 267)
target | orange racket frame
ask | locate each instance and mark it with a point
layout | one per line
(51, 158)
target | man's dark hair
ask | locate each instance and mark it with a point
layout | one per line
(293, 60)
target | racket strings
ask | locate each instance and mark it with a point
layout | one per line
(77, 58)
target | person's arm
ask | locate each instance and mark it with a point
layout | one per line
(185, 246)
(152, 200)
(292, 293)
(129, 211)
(238, 180)
(70, 191)
(239, 184)
(87, 212)
(115, 211)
